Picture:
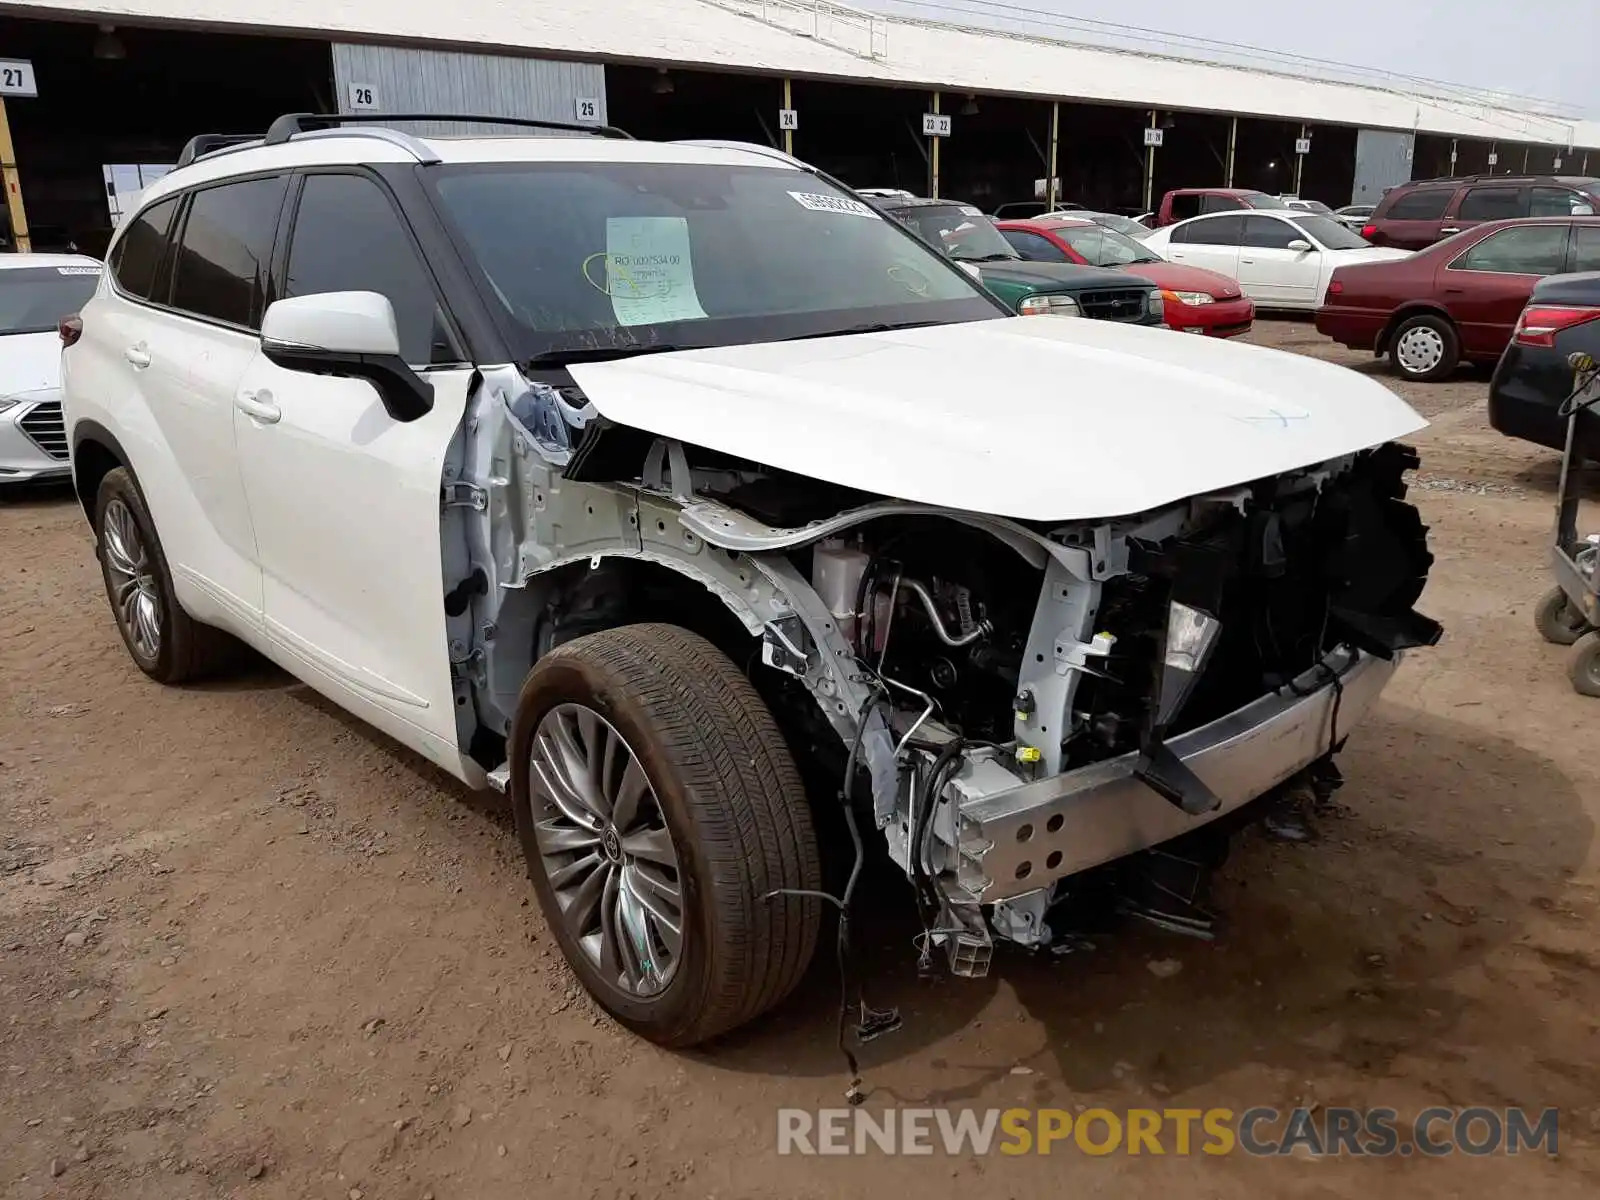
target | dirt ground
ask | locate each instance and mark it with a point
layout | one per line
(250, 948)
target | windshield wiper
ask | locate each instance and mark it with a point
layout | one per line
(590, 354)
(981, 258)
(879, 327)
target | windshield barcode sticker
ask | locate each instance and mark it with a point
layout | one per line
(843, 205)
(77, 270)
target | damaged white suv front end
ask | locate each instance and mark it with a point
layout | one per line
(1061, 592)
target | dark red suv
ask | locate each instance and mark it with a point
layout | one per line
(1415, 215)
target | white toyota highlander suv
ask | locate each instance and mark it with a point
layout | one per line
(721, 522)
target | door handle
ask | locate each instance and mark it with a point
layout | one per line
(258, 406)
(138, 355)
(1249, 262)
(1447, 230)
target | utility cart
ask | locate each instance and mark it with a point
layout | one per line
(1569, 613)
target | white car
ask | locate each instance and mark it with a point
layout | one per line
(36, 292)
(545, 457)
(1282, 259)
(1307, 206)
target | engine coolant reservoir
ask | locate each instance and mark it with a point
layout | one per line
(836, 571)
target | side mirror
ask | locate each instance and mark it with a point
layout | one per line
(350, 335)
(1299, 245)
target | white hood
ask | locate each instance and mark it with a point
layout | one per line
(1035, 418)
(29, 362)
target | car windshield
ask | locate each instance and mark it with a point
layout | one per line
(959, 230)
(1334, 235)
(1123, 225)
(592, 258)
(1103, 247)
(1262, 200)
(1315, 206)
(34, 299)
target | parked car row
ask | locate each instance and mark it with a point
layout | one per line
(1067, 264)
(1196, 300)
(1487, 269)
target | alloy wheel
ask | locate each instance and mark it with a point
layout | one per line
(606, 849)
(134, 594)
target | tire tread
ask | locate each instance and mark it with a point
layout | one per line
(748, 802)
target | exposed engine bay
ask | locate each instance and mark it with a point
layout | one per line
(1010, 703)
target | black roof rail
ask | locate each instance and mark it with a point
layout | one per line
(286, 126)
(205, 143)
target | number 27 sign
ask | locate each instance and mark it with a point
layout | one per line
(16, 78)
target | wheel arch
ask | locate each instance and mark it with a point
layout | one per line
(96, 452)
(1411, 308)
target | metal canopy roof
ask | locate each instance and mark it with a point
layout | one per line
(819, 39)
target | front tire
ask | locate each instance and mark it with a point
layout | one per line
(658, 808)
(1425, 348)
(1583, 666)
(164, 641)
(1557, 620)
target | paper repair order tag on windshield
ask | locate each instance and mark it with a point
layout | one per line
(649, 274)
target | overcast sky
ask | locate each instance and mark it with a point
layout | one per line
(1554, 54)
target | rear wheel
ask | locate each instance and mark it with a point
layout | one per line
(1425, 348)
(659, 810)
(164, 641)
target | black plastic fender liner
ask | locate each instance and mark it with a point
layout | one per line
(1379, 567)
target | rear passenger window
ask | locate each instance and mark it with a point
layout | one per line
(1520, 250)
(1492, 204)
(137, 257)
(1559, 202)
(225, 251)
(348, 238)
(1427, 204)
(1213, 231)
(1585, 248)
(1211, 204)
(1266, 233)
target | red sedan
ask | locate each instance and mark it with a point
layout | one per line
(1459, 298)
(1197, 300)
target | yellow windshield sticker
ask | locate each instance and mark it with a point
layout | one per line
(647, 271)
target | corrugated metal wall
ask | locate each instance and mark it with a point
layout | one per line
(1383, 159)
(401, 79)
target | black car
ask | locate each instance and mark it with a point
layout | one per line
(963, 233)
(1534, 377)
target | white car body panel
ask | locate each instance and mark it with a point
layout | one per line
(350, 552)
(1273, 278)
(30, 375)
(29, 362)
(961, 415)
